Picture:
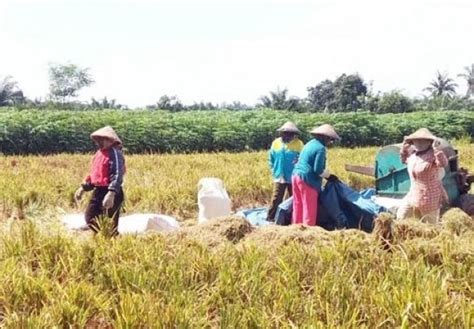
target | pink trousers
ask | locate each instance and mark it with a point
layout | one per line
(305, 203)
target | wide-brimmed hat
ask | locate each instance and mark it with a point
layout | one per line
(421, 133)
(106, 132)
(326, 130)
(289, 127)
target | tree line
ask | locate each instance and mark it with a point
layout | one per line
(347, 93)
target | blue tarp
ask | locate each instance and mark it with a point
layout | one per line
(284, 211)
(339, 207)
(347, 208)
(256, 216)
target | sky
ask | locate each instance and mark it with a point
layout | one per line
(224, 51)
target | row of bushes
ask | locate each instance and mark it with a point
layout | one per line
(43, 132)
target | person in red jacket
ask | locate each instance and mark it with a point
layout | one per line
(105, 179)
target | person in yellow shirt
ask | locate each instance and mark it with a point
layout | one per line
(282, 158)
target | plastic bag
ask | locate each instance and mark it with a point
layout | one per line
(213, 200)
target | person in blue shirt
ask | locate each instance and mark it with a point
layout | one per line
(282, 158)
(308, 174)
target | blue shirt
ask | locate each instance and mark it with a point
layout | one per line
(311, 164)
(282, 158)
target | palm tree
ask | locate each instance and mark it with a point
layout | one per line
(9, 92)
(279, 100)
(105, 103)
(442, 85)
(469, 76)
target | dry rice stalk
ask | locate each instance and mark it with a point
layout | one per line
(412, 228)
(274, 236)
(217, 231)
(383, 230)
(457, 221)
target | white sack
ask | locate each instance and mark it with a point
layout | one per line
(130, 224)
(213, 200)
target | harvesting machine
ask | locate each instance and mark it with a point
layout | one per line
(392, 180)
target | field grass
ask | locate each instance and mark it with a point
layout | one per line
(162, 183)
(158, 183)
(274, 277)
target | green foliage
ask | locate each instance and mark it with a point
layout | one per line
(468, 75)
(66, 80)
(106, 103)
(168, 103)
(43, 132)
(322, 95)
(443, 103)
(392, 102)
(342, 95)
(10, 94)
(442, 85)
(279, 100)
(348, 91)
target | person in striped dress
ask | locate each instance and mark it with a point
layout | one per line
(425, 160)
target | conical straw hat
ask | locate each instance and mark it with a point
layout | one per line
(289, 127)
(326, 130)
(107, 132)
(421, 133)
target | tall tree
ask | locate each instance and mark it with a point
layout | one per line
(442, 85)
(344, 94)
(469, 76)
(321, 97)
(279, 100)
(390, 102)
(65, 81)
(169, 103)
(10, 94)
(348, 92)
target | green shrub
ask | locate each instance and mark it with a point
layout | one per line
(43, 131)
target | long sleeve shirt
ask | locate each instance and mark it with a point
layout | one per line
(282, 158)
(426, 191)
(311, 164)
(107, 170)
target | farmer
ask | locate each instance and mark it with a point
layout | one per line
(308, 173)
(282, 158)
(105, 179)
(421, 152)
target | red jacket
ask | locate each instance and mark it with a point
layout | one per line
(107, 170)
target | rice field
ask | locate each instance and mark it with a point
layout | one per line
(157, 183)
(222, 274)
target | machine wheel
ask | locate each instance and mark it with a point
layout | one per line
(466, 203)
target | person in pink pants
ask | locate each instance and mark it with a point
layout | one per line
(304, 199)
(308, 173)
